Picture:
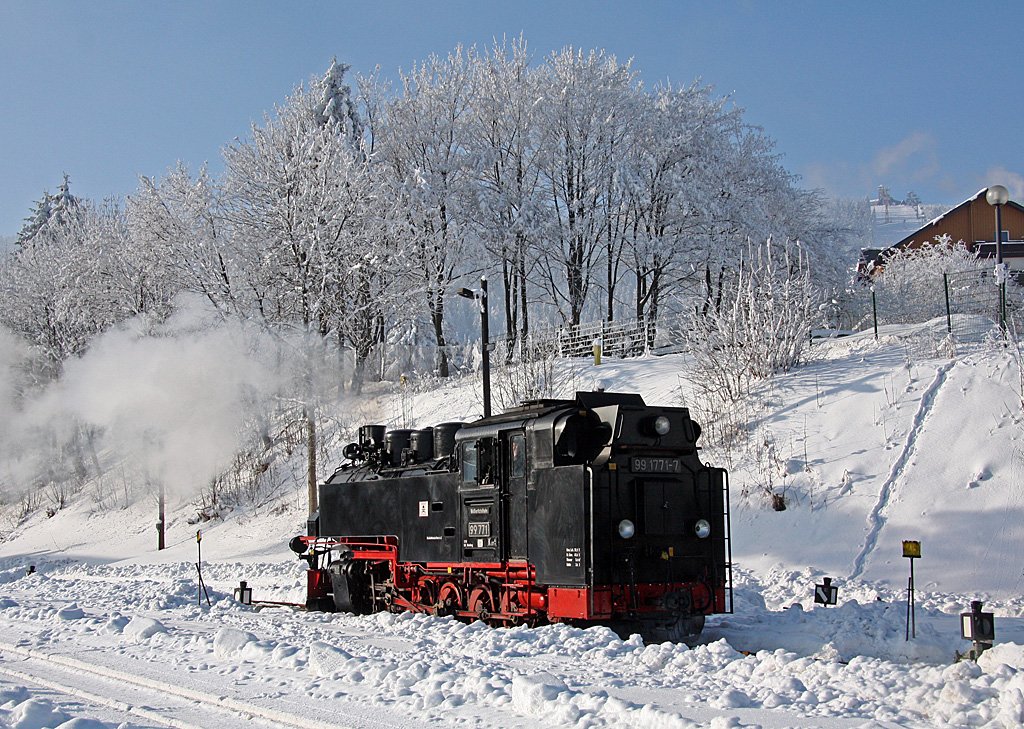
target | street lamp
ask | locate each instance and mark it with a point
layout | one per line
(481, 297)
(997, 196)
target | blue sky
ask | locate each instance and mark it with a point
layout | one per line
(855, 94)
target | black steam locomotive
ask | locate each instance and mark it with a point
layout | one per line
(595, 510)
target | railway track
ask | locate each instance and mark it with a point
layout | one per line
(163, 703)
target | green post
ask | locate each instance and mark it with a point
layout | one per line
(874, 310)
(949, 318)
(1002, 307)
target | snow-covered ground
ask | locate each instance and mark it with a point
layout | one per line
(871, 444)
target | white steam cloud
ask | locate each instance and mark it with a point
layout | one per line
(175, 404)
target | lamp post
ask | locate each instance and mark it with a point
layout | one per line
(997, 196)
(485, 336)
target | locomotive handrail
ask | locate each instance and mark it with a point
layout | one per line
(390, 543)
(727, 537)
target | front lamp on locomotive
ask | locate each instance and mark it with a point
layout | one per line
(595, 510)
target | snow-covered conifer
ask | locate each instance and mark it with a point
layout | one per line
(335, 106)
(50, 213)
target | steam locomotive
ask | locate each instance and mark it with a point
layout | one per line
(592, 510)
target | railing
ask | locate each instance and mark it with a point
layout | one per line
(627, 338)
(968, 300)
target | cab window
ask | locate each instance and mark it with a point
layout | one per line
(469, 462)
(517, 455)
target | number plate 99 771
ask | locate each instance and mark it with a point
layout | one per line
(649, 464)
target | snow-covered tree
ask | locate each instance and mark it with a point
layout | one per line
(503, 140)
(586, 117)
(76, 281)
(177, 222)
(294, 194)
(423, 144)
(672, 190)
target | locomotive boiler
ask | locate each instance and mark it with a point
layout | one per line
(594, 510)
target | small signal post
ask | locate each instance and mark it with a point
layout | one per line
(912, 551)
(978, 627)
(826, 593)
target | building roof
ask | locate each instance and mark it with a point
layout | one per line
(871, 258)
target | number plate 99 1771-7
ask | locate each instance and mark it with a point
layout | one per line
(649, 464)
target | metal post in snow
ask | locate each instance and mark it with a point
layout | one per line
(997, 196)
(949, 318)
(199, 563)
(161, 523)
(874, 310)
(912, 551)
(480, 296)
(911, 613)
(485, 337)
(199, 569)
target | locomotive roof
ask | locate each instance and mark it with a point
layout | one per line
(589, 400)
(600, 398)
(533, 409)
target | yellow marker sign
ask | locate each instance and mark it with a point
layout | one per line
(911, 549)
(199, 535)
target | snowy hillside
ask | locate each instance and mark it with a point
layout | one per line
(869, 444)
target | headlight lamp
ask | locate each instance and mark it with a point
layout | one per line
(662, 425)
(702, 528)
(626, 529)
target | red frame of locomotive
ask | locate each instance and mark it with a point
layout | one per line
(501, 593)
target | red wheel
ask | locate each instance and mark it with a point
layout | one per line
(481, 602)
(449, 599)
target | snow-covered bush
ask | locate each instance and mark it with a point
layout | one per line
(910, 287)
(530, 375)
(759, 326)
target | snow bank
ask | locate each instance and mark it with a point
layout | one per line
(142, 629)
(36, 714)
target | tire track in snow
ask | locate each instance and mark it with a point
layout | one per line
(877, 519)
